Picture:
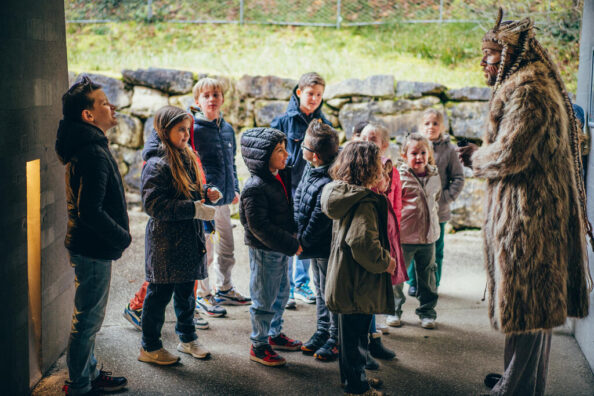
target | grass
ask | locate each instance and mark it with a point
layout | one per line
(448, 54)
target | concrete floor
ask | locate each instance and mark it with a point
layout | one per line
(451, 360)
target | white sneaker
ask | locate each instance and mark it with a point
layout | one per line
(382, 327)
(393, 320)
(193, 348)
(428, 323)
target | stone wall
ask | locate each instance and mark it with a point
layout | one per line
(255, 100)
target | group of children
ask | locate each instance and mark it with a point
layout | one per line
(350, 215)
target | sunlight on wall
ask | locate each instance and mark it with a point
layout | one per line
(34, 266)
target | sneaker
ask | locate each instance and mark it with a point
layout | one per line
(199, 321)
(291, 303)
(193, 348)
(231, 297)
(266, 355)
(412, 291)
(106, 383)
(161, 357)
(69, 391)
(305, 294)
(382, 327)
(316, 341)
(428, 323)
(328, 351)
(283, 342)
(133, 316)
(393, 320)
(209, 306)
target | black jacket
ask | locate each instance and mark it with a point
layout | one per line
(97, 217)
(174, 247)
(265, 210)
(314, 228)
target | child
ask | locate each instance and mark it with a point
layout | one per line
(359, 267)
(421, 188)
(314, 231)
(266, 213)
(305, 106)
(214, 139)
(172, 194)
(357, 129)
(452, 181)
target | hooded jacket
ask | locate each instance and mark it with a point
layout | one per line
(97, 217)
(215, 143)
(265, 208)
(175, 249)
(294, 123)
(451, 173)
(356, 281)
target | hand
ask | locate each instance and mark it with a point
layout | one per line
(213, 194)
(392, 267)
(236, 199)
(465, 154)
(299, 251)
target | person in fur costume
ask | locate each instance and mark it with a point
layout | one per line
(535, 223)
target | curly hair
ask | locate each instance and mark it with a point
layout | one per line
(358, 163)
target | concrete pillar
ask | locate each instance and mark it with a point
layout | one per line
(33, 76)
(584, 328)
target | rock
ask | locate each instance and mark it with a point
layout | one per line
(333, 120)
(404, 105)
(379, 86)
(132, 178)
(266, 87)
(469, 94)
(117, 155)
(351, 114)
(468, 118)
(401, 124)
(114, 89)
(467, 210)
(182, 101)
(127, 133)
(146, 101)
(172, 81)
(147, 128)
(337, 103)
(265, 111)
(243, 117)
(416, 89)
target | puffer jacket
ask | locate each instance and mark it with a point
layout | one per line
(215, 143)
(314, 228)
(294, 124)
(451, 173)
(420, 197)
(356, 281)
(175, 249)
(98, 225)
(266, 208)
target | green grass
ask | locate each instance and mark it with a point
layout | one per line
(448, 54)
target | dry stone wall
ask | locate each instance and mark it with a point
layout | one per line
(255, 101)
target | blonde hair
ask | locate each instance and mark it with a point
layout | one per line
(207, 83)
(381, 130)
(417, 137)
(184, 182)
(435, 113)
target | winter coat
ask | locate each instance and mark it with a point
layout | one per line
(266, 207)
(314, 228)
(356, 281)
(97, 218)
(294, 124)
(533, 240)
(175, 249)
(215, 143)
(420, 222)
(451, 173)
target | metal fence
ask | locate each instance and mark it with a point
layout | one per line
(330, 13)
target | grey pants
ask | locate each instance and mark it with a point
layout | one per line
(224, 247)
(327, 320)
(526, 362)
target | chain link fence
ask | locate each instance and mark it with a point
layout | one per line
(331, 13)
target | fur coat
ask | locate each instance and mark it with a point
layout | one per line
(533, 239)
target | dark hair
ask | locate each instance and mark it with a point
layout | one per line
(358, 128)
(324, 140)
(358, 163)
(309, 80)
(77, 99)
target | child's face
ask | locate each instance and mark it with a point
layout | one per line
(180, 133)
(432, 127)
(278, 158)
(310, 98)
(308, 153)
(374, 137)
(417, 156)
(210, 102)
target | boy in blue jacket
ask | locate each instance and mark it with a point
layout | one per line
(305, 106)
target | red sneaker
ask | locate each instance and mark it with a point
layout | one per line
(285, 343)
(266, 356)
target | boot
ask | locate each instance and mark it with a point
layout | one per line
(377, 349)
(371, 363)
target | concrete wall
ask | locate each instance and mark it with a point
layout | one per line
(33, 77)
(584, 328)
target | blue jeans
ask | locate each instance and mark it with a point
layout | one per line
(301, 275)
(269, 289)
(91, 281)
(157, 297)
(327, 321)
